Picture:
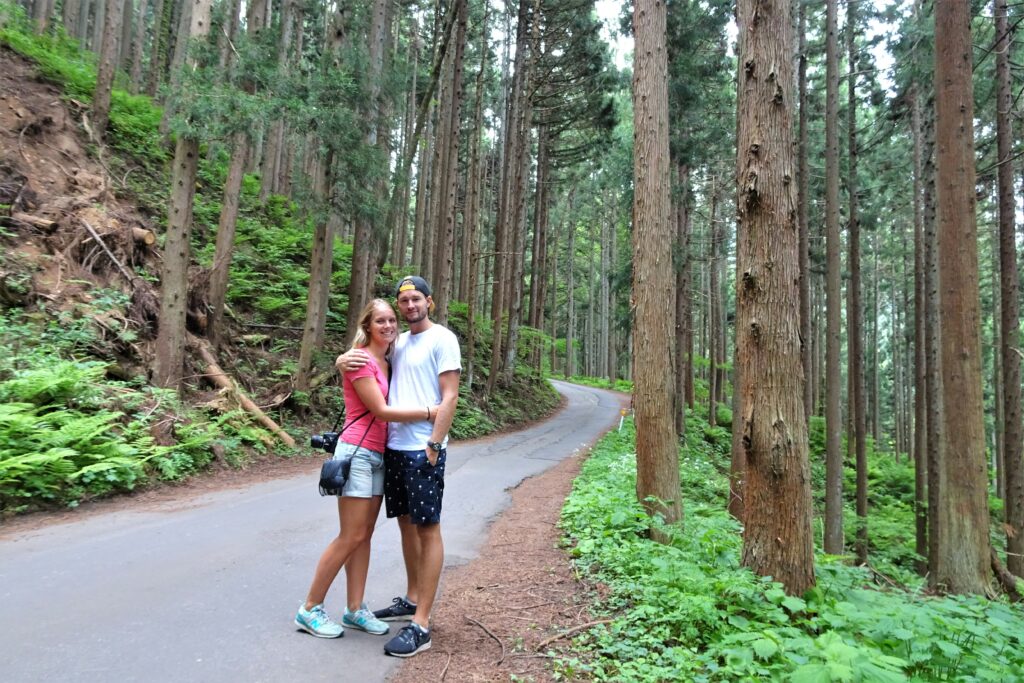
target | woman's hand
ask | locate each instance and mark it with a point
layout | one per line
(353, 359)
(432, 412)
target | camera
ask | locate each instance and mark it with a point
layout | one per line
(328, 441)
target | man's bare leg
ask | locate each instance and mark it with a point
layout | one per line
(411, 553)
(431, 560)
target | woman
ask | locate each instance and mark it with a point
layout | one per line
(363, 439)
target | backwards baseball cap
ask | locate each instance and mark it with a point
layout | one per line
(412, 282)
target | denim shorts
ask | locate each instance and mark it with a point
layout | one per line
(413, 486)
(366, 476)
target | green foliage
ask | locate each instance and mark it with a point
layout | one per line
(67, 433)
(687, 610)
(623, 385)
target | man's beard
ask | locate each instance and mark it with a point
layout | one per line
(416, 317)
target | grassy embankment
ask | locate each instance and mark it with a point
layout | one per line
(688, 611)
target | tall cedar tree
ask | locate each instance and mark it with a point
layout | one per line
(962, 560)
(855, 333)
(777, 537)
(105, 71)
(833, 386)
(170, 341)
(657, 457)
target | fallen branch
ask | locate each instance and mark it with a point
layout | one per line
(879, 575)
(99, 240)
(265, 326)
(444, 671)
(34, 221)
(1007, 580)
(573, 631)
(221, 379)
(496, 639)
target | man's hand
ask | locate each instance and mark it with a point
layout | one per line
(353, 359)
(432, 456)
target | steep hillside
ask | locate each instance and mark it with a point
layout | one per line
(81, 228)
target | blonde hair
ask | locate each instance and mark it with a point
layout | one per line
(362, 337)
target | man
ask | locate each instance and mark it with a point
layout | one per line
(425, 369)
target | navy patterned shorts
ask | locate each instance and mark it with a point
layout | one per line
(412, 486)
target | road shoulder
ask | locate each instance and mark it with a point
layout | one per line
(517, 597)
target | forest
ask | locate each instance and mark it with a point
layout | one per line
(789, 228)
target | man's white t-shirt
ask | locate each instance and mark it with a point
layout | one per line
(416, 363)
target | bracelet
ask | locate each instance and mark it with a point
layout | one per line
(428, 412)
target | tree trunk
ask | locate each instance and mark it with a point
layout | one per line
(803, 194)
(713, 309)
(657, 452)
(518, 195)
(321, 262)
(605, 314)
(539, 228)
(70, 11)
(474, 181)
(158, 48)
(855, 335)
(169, 360)
(124, 47)
(613, 360)
(570, 284)
(963, 557)
(777, 536)
(444, 252)
(105, 72)
(224, 249)
(504, 219)
(1012, 473)
(684, 363)
(138, 44)
(920, 357)
(833, 301)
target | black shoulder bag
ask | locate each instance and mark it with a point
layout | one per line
(334, 471)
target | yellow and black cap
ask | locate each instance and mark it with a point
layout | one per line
(411, 282)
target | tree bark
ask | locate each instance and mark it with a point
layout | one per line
(444, 244)
(657, 452)
(777, 536)
(714, 324)
(920, 357)
(963, 557)
(833, 386)
(855, 334)
(138, 44)
(170, 342)
(1013, 427)
(803, 200)
(684, 362)
(105, 72)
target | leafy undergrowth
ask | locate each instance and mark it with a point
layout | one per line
(68, 434)
(688, 611)
(623, 385)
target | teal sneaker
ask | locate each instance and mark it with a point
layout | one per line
(316, 622)
(364, 620)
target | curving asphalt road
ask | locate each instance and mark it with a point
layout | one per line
(206, 589)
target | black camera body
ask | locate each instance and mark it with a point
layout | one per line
(327, 441)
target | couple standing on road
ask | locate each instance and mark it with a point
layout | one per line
(403, 464)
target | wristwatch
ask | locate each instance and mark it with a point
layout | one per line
(435, 446)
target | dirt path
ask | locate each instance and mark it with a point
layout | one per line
(499, 616)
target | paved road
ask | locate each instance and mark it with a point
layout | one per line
(205, 589)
